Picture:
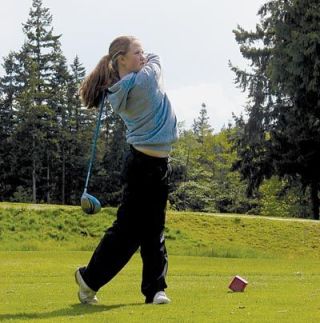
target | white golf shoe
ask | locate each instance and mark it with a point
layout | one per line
(161, 298)
(86, 295)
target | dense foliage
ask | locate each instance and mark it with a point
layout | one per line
(282, 134)
(46, 134)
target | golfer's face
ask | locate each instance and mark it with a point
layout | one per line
(134, 59)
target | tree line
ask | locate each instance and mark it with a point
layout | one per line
(282, 133)
(266, 163)
(45, 133)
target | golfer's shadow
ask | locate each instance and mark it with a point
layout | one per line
(73, 310)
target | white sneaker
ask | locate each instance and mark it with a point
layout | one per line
(161, 298)
(86, 295)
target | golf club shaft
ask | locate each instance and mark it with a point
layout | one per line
(94, 142)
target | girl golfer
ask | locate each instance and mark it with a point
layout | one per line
(132, 81)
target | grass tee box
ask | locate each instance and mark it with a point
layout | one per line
(280, 259)
(39, 286)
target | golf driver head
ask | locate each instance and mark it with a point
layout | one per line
(90, 204)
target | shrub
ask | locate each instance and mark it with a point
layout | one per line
(192, 196)
(22, 195)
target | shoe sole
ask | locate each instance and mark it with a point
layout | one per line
(161, 303)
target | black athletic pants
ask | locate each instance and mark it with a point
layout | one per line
(140, 223)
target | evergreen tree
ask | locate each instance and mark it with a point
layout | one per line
(45, 134)
(8, 92)
(42, 101)
(77, 75)
(80, 126)
(201, 126)
(282, 134)
(112, 163)
(58, 135)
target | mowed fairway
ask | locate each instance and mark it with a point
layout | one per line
(38, 286)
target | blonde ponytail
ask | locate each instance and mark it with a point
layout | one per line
(105, 74)
(97, 81)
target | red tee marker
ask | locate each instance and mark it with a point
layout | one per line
(238, 284)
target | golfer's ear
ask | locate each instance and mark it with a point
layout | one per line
(121, 59)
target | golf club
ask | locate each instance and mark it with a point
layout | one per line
(89, 203)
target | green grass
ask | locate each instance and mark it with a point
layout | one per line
(46, 227)
(39, 287)
(41, 245)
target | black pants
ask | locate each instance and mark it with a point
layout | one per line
(140, 223)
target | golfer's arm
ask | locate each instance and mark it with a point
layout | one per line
(153, 65)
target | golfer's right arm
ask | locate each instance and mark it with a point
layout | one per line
(152, 68)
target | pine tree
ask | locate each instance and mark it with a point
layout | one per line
(59, 129)
(282, 134)
(77, 75)
(41, 98)
(45, 132)
(81, 123)
(8, 92)
(115, 147)
(201, 126)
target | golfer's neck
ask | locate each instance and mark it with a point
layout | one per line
(123, 72)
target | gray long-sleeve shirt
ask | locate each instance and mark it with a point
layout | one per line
(145, 108)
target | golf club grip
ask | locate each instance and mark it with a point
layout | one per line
(94, 142)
